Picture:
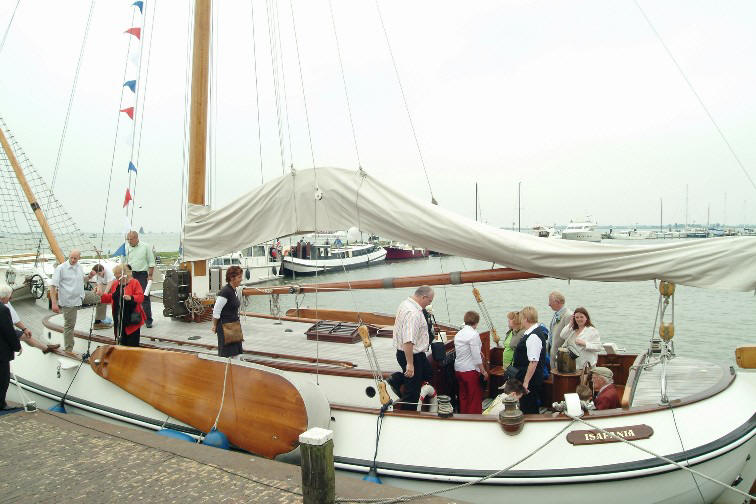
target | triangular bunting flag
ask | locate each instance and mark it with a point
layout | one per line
(131, 84)
(132, 167)
(139, 4)
(129, 112)
(127, 198)
(121, 251)
(136, 31)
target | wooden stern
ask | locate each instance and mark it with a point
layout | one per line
(262, 412)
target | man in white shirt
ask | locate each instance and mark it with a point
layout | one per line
(67, 294)
(26, 335)
(103, 278)
(412, 341)
(530, 359)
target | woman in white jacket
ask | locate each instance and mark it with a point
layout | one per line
(580, 333)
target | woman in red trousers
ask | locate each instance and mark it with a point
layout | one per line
(468, 365)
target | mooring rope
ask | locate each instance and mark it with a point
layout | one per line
(407, 498)
(661, 457)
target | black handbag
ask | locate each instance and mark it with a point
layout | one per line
(438, 350)
(134, 318)
(512, 372)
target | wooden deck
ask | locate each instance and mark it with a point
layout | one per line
(686, 377)
(261, 335)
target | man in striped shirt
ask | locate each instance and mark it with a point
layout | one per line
(412, 341)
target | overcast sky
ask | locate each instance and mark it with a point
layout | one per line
(577, 100)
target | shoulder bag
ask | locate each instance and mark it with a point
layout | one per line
(232, 333)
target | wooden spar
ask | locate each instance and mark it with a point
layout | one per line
(490, 275)
(54, 247)
(198, 112)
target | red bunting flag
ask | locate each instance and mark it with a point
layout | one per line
(136, 31)
(127, 198)
(129, 112)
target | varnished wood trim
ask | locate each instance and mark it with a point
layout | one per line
(632, 382)
(718, 387)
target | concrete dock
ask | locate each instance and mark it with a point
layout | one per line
(51, 457)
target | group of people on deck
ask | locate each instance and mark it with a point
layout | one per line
(529, 354)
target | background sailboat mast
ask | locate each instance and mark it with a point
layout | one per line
(56, 250)
(198, 111)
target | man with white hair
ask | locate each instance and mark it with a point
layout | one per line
(67, 294)
(25, 333)
(559, 321)
(412, 341)
(603, 386)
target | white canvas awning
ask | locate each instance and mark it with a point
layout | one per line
(334, 198)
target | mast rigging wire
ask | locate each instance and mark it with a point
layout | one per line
(697, 96)
(257, 89)
(404, 99)
(276, 86)
(139, 113)
(7, 29)
(343, 80)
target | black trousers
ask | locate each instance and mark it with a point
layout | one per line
(530, 402)
(4, 381)
(141, 277)
(423, 372)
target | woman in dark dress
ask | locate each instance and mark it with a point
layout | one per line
(126, 296)
(226, 310)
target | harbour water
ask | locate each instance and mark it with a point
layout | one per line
(709, 322)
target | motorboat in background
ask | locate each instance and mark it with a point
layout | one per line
(400, 251)
(309, 258)
(582, 231)
(259, 263)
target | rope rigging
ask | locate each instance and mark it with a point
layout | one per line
(10, 23)
(696, 95)
(404, 99)
(343, 79)
(257, 88)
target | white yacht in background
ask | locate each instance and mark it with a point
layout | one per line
(259, 263)
(582, 231)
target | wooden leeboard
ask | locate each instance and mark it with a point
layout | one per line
(262, 412)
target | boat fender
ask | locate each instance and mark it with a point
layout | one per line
(57, 408)
(427, 391)
(172, 433)
(372, 476)
(217, 439)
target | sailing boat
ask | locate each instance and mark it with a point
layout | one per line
(265, 399)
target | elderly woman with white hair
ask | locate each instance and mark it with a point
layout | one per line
(24, 333)
(126, 296)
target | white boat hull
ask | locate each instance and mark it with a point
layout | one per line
(311, 266)
(450, 452)
(588, 236)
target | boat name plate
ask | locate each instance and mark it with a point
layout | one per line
(630, 433)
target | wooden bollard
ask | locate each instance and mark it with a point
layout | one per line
(318, 478)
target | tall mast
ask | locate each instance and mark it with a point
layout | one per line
(56, 250)
(198, 112)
